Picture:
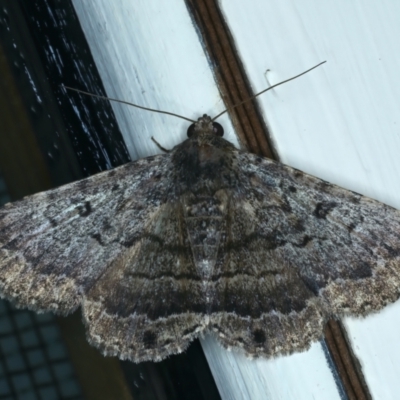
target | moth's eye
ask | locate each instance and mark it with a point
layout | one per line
(190, 131)
(218, 129)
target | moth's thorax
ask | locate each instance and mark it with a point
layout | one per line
(203, 164)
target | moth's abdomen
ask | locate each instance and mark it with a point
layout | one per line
(204, 235)
(205, 224)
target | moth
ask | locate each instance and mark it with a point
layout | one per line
(204, 238)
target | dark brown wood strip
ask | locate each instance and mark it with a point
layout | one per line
(230, 76)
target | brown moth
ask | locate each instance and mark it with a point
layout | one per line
(204, 238)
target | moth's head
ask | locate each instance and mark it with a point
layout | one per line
(205, 126)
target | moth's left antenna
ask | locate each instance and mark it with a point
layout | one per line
(128, 103)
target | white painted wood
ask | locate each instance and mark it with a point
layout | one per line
(147, 52)
(340, 123)
(298, 376)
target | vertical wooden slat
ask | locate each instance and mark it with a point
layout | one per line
(230, 76)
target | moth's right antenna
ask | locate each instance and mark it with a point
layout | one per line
(266, 90)
(128, 103)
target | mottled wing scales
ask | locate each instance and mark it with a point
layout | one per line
(299, 251)
(149, 303)
(56, 244)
